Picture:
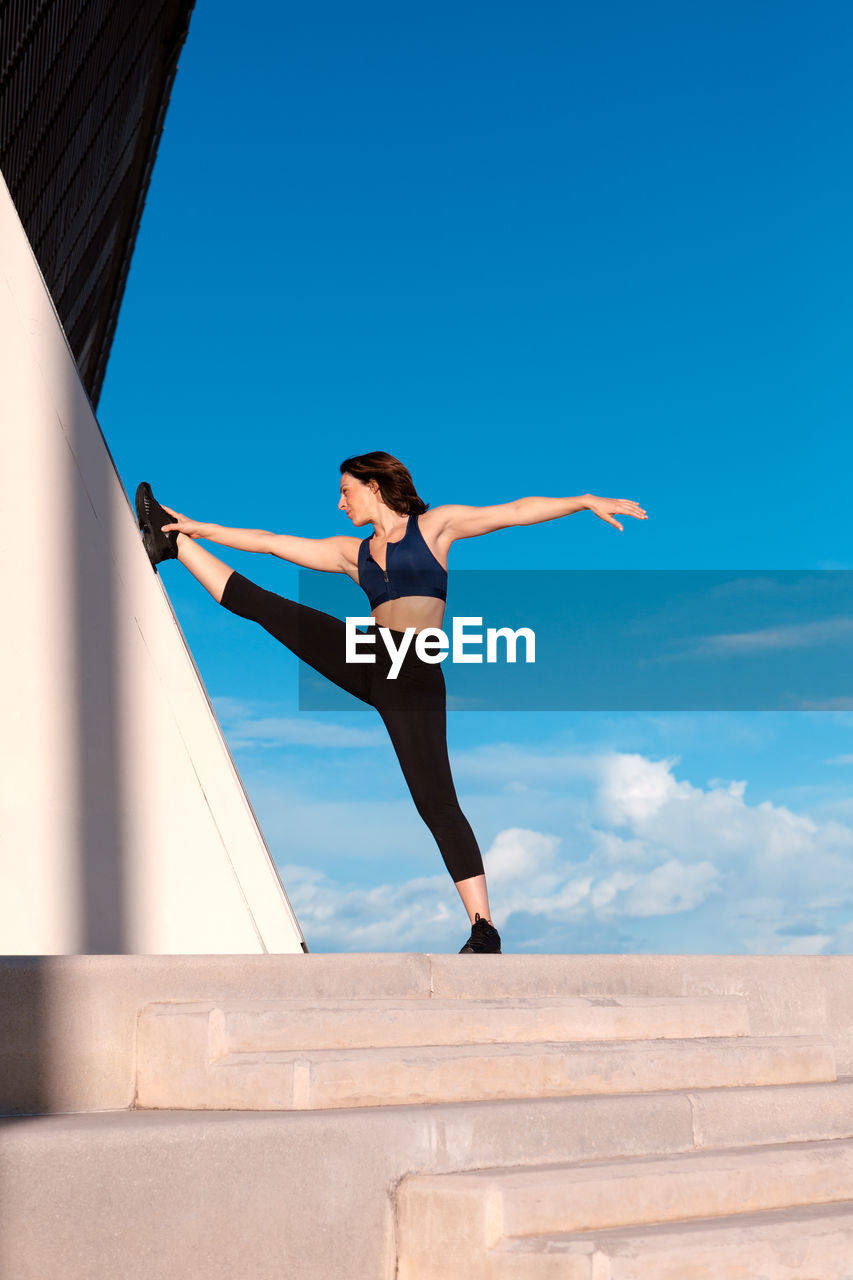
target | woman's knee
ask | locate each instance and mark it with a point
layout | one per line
(438, 811)
(242, 596)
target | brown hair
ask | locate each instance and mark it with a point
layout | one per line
(395, 483)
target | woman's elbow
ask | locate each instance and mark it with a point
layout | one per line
(518, 512)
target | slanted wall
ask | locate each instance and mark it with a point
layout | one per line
(124, 826)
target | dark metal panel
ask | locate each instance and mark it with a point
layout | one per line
(84, 86)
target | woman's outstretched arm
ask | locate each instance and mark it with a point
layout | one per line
(471, 522)
(327, 554)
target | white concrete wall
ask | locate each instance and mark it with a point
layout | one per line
(124, 826)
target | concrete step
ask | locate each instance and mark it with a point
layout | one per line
(87, 1007)
(183, 1061)
(815, 1243)
(784, 1113)
(457, 1221)
(178, 1195)
(259, 1026)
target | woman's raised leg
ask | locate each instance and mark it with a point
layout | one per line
(317, 638)
(206, 568)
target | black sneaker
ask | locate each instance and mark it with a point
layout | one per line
(152, 517)
(484, 937)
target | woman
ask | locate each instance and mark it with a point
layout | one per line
(403, 569)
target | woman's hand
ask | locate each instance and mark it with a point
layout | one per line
(606, 508)
(183, 524)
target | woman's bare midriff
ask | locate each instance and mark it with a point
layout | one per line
(410, 611)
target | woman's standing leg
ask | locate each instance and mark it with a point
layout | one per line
(414, 713)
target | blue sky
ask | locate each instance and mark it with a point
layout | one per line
(530, 249)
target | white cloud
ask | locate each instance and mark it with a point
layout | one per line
(795, 636)
(244, 729)
(518, 856)
(419, 915)
(828, 704)
(632, 789)
(638, 845)
(733, 788)
(804, 635)
(672, 886)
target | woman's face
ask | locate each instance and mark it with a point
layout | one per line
(357, 499)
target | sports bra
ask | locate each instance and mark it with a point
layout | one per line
(410, 569)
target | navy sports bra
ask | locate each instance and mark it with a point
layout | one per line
(410, 569)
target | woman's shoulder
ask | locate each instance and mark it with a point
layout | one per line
(350, 548)
(432, 525)
(434, 520)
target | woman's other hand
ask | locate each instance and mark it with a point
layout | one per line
(606, 508)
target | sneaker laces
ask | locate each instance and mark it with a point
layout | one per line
(483, 937)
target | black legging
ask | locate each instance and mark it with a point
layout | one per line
(412, 707)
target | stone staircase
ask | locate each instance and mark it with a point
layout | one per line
(670, 1218)
(746, 1202)
(434, 1118)
(304, 1055)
